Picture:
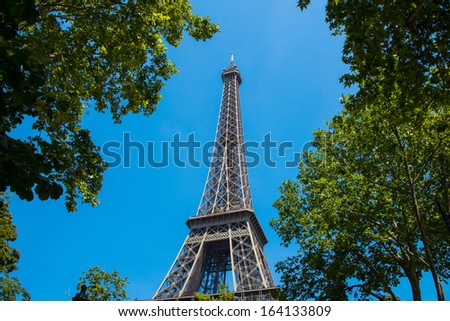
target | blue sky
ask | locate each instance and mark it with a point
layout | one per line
(290, 66)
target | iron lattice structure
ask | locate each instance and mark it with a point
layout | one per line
(225, 242)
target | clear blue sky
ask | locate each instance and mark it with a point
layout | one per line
(290, 66)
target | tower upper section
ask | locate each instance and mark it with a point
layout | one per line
(227, 187)
(230, 73)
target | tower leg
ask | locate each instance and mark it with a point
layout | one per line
(206, 257)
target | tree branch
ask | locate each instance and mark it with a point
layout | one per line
(415, 13)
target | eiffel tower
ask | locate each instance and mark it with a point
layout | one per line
(225, 242)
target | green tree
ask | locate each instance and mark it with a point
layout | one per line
(224, 295)
(363, 210)
(102, 285)
(9, 256)
(202, 297)
(10, 287)
(60, 59)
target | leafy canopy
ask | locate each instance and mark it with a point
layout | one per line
(102, 285)
(224, 295)
(392, 45)
(60, 59)
(12, 290)
(353, 212)
(10, 287)
(363, 210)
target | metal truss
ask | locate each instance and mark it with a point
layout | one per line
(227, 187)
(208, 253)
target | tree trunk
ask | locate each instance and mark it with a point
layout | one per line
(414, 282)
(437, 281)
(417, 214)
(445, 181)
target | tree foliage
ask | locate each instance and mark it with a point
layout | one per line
(358, 207)
(12, 290)
(9, 256)
(398, 50)
(60, 59)
(102, 285)
(363, 210)
(10, 287)
(224, 295)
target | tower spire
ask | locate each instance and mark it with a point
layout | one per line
(232, 59)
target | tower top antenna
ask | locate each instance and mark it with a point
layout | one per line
(232, 59)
